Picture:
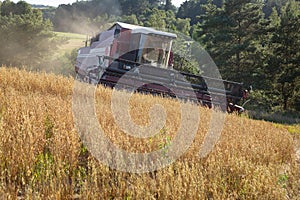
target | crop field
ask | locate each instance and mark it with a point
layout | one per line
(42, 156)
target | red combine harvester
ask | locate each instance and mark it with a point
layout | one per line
(140, 59)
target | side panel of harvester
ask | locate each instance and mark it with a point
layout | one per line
(88, 57)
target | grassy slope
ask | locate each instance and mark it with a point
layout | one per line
(62, 60)
(41, 155)
(73, 41)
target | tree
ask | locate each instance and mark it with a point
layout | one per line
(284, 65)
(269, 5)
(64, 18)
(233, 36)
(9, 7)
(6, 8)
(190, 9)
(183, 25)
(154, 18)
(79, 16)
(136, 7)
(193, 8)
(131, 19)
(26, 37)
(169, 6)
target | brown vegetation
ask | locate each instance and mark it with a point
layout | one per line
(41, 156)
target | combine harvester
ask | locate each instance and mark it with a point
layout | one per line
(141, 59)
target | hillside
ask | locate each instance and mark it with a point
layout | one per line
(73, 41)
(41, 156)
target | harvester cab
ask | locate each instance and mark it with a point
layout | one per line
(130, 43)
(144, 55)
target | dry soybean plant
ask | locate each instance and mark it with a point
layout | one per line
(42, 156)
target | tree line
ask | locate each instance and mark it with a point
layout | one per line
(257, 48)
(251, 41)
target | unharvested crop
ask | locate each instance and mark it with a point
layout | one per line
(42, 157)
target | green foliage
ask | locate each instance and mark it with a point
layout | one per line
(169, 6)
(80, 16)
(271, 5)
(183, 25)
(283, 179)
(284, 63)
(26, 35)
(296, 98)
(193, 9)
(184, 55)
(156, 18)
(62, 64)
(43, 165)
(265, 105)
(48, 13)
(8, 8)
(67, 63)
(130, 19)
(295, 130)
(232, 35)
(48, 128)
(261, 100)
(136, 7)
(190, 9)
(250, 48)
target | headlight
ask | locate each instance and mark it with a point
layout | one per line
(127, 67)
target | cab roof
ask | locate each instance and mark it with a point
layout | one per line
(143, 30)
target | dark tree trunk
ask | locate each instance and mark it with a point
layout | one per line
(285, 102)
(285, 96)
